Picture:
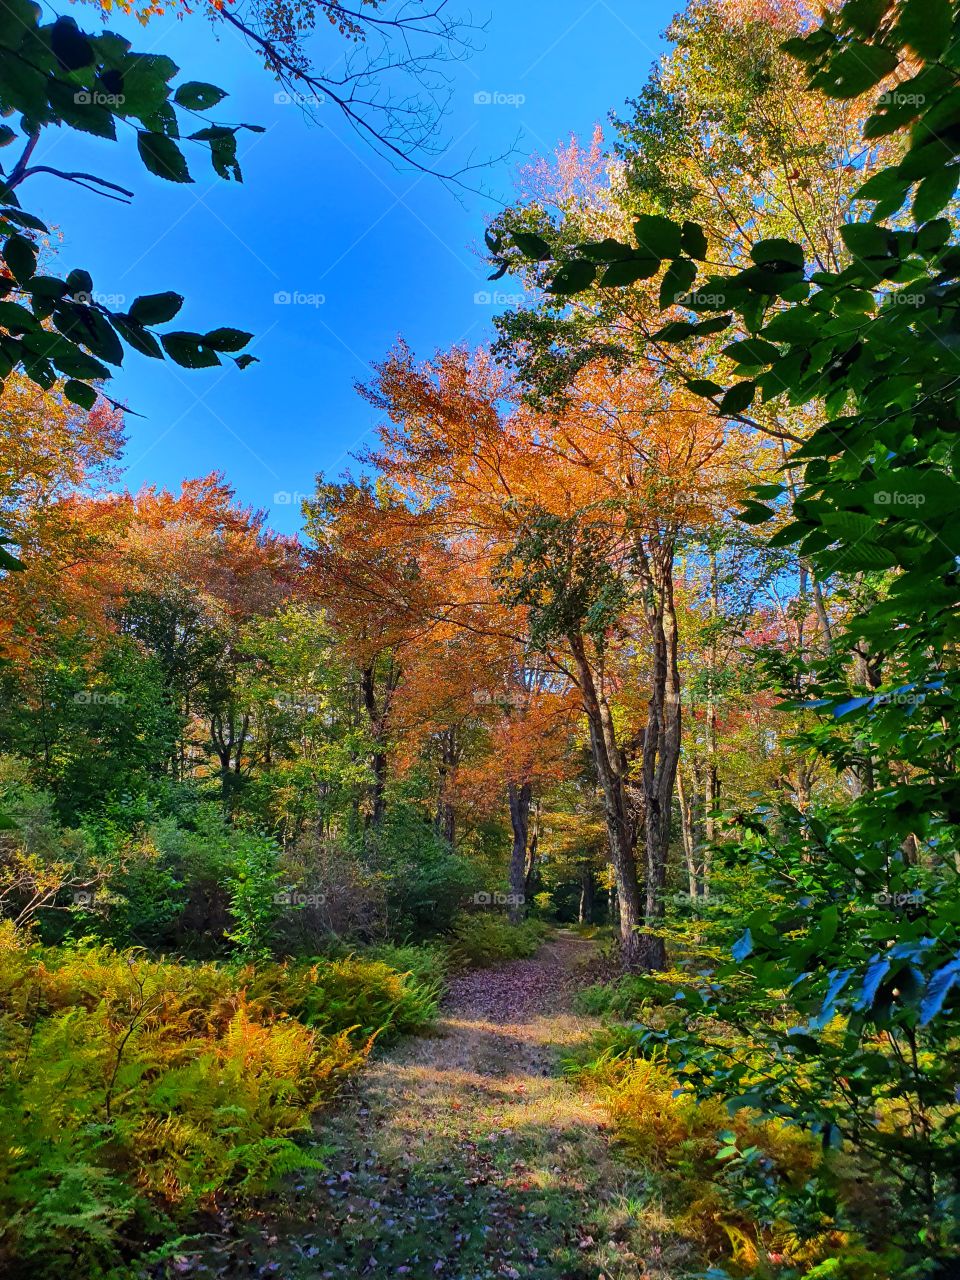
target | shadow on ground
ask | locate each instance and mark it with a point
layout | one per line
(466, 1155)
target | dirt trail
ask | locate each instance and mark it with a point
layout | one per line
(465, 1155)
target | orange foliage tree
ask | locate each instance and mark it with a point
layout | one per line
(572, 521)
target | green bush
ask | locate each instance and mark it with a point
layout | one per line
(133, 1091)
(486, 939)
(619, 999)
(357, 995)
(427, 962)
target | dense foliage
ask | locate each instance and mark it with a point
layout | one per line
(644, 617)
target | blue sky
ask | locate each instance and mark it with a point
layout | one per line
(320, 216)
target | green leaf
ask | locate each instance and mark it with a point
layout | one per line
(794, 325)
(12, 565)
(79, 281)
(913, 493)
(926, 26)
(163, 157)
(20, 255)
(675, 331)
(606, 250)
(659, 236)
(88, 328)
(629, 272)
(755, 513)
(24, 219)
(677, 279)
(715, 324)
(855, 69)
(935, 192)
(866, 239)
(194, 95)
(693, 240)
(573, 277)
(145, 90)
(187, 349)
(226, 339)
(17, 318)
(76, 109)
(738, 397)
(70, 46)
(777, 250)
(932, 236)
(74, 363)
(704, 387)
(864, 15)
(79, 393)
(887, 185)
(532, 246)
(155, 308)
(136, 336)
(753, 352)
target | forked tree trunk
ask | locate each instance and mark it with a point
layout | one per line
(633, 811)
(611, 768)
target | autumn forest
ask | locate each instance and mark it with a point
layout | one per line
(545, 862)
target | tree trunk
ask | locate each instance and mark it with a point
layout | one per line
(519, 799)
(661, 751)
(621, 831)
(445, 822)
(585, 915)
(378, 759)
(531, 879)
(688, 834)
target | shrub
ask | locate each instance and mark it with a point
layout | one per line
(359, 996)
(253, 885)
(619, 999)
(480, 940)
(427, 962)
(132, 1090)
(740, 1185)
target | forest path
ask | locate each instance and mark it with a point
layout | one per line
(465, 1155)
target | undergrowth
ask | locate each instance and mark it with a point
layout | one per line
(760, 1198)
(136, 1090)
(480, 940)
